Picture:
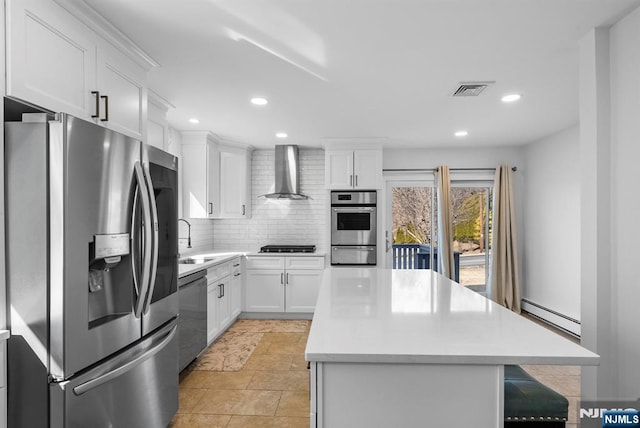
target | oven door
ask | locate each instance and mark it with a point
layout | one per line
(353, 255)
(353, 225)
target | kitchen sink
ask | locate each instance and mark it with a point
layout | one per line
(195, 260)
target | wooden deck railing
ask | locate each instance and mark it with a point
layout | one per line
(418, 256)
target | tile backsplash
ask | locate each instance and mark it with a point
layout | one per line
(201, 236)
(298, 222)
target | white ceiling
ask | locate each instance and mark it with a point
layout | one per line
(365, 69)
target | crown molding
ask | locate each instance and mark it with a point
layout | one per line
(97, 23)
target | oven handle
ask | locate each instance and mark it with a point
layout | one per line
(353, 209)
(354, 247)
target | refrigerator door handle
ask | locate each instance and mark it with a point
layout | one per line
(122, 369)
(146, 263)
(154, 239)
(135, 237)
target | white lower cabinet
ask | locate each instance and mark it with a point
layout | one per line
(264, 290)
(235, 287)
(301, 291)
(282, 284)
(218, 301)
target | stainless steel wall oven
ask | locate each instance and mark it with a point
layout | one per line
(353, 227)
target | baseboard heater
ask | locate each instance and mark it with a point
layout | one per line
(556, 319)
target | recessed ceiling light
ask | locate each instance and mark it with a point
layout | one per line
(259, 101)
(461, 133)
(511, 98)
(194, 120)
(281, 135)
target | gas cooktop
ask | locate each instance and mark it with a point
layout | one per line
(288, 249)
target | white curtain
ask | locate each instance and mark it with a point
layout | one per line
(445, 227)
(504, 277)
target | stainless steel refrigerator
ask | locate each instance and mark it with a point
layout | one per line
(91, 252)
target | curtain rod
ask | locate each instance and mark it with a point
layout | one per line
(435, 169)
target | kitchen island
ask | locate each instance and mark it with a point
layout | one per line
(411, 348)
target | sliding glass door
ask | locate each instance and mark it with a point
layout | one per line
(411, 228)
(471, 212)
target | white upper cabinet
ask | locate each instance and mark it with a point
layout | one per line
(339, 169)
(157, 124)
(200, 175)
(235, 182)
(57, 62)
(50, 60)
(353, 169)
(216, 178)
(122, 93)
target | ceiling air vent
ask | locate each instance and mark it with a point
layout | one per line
(471, 89)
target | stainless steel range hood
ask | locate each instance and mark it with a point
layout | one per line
(287, 174)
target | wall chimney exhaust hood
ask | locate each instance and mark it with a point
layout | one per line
(287, 174)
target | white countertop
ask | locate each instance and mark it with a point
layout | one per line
(4, 334)
(216, 258)
(186, 269)
(418, 316)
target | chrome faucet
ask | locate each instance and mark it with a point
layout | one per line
(189, 232)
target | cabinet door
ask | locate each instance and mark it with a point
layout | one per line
(367, 169)
(224, 302)
(235, 288)
(213, 180)
(264, 290)
(200, 179)
(212, 312)
(123, 96)
(302, 288)
(233, 184)
(51, 59)
(339, 169)
(194, 181)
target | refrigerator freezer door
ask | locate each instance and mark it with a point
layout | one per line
(92, 186)
(137, 388)
(162, 301)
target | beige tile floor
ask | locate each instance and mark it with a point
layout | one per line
(268, 388)
(255, 375)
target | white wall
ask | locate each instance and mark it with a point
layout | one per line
(610, 178)
(295, 222)
(486, 157)
(551, 219)
(625, 201)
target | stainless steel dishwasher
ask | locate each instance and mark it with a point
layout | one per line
(192, 322)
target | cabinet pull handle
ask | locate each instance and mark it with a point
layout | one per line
(243, 209)
(210, 207)
(97, 95)
(106, 108)
(356, 180)
(282, 278)
(287, 277)
(236, 265)
(351, 180)
(237, 274)
(220, 292)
